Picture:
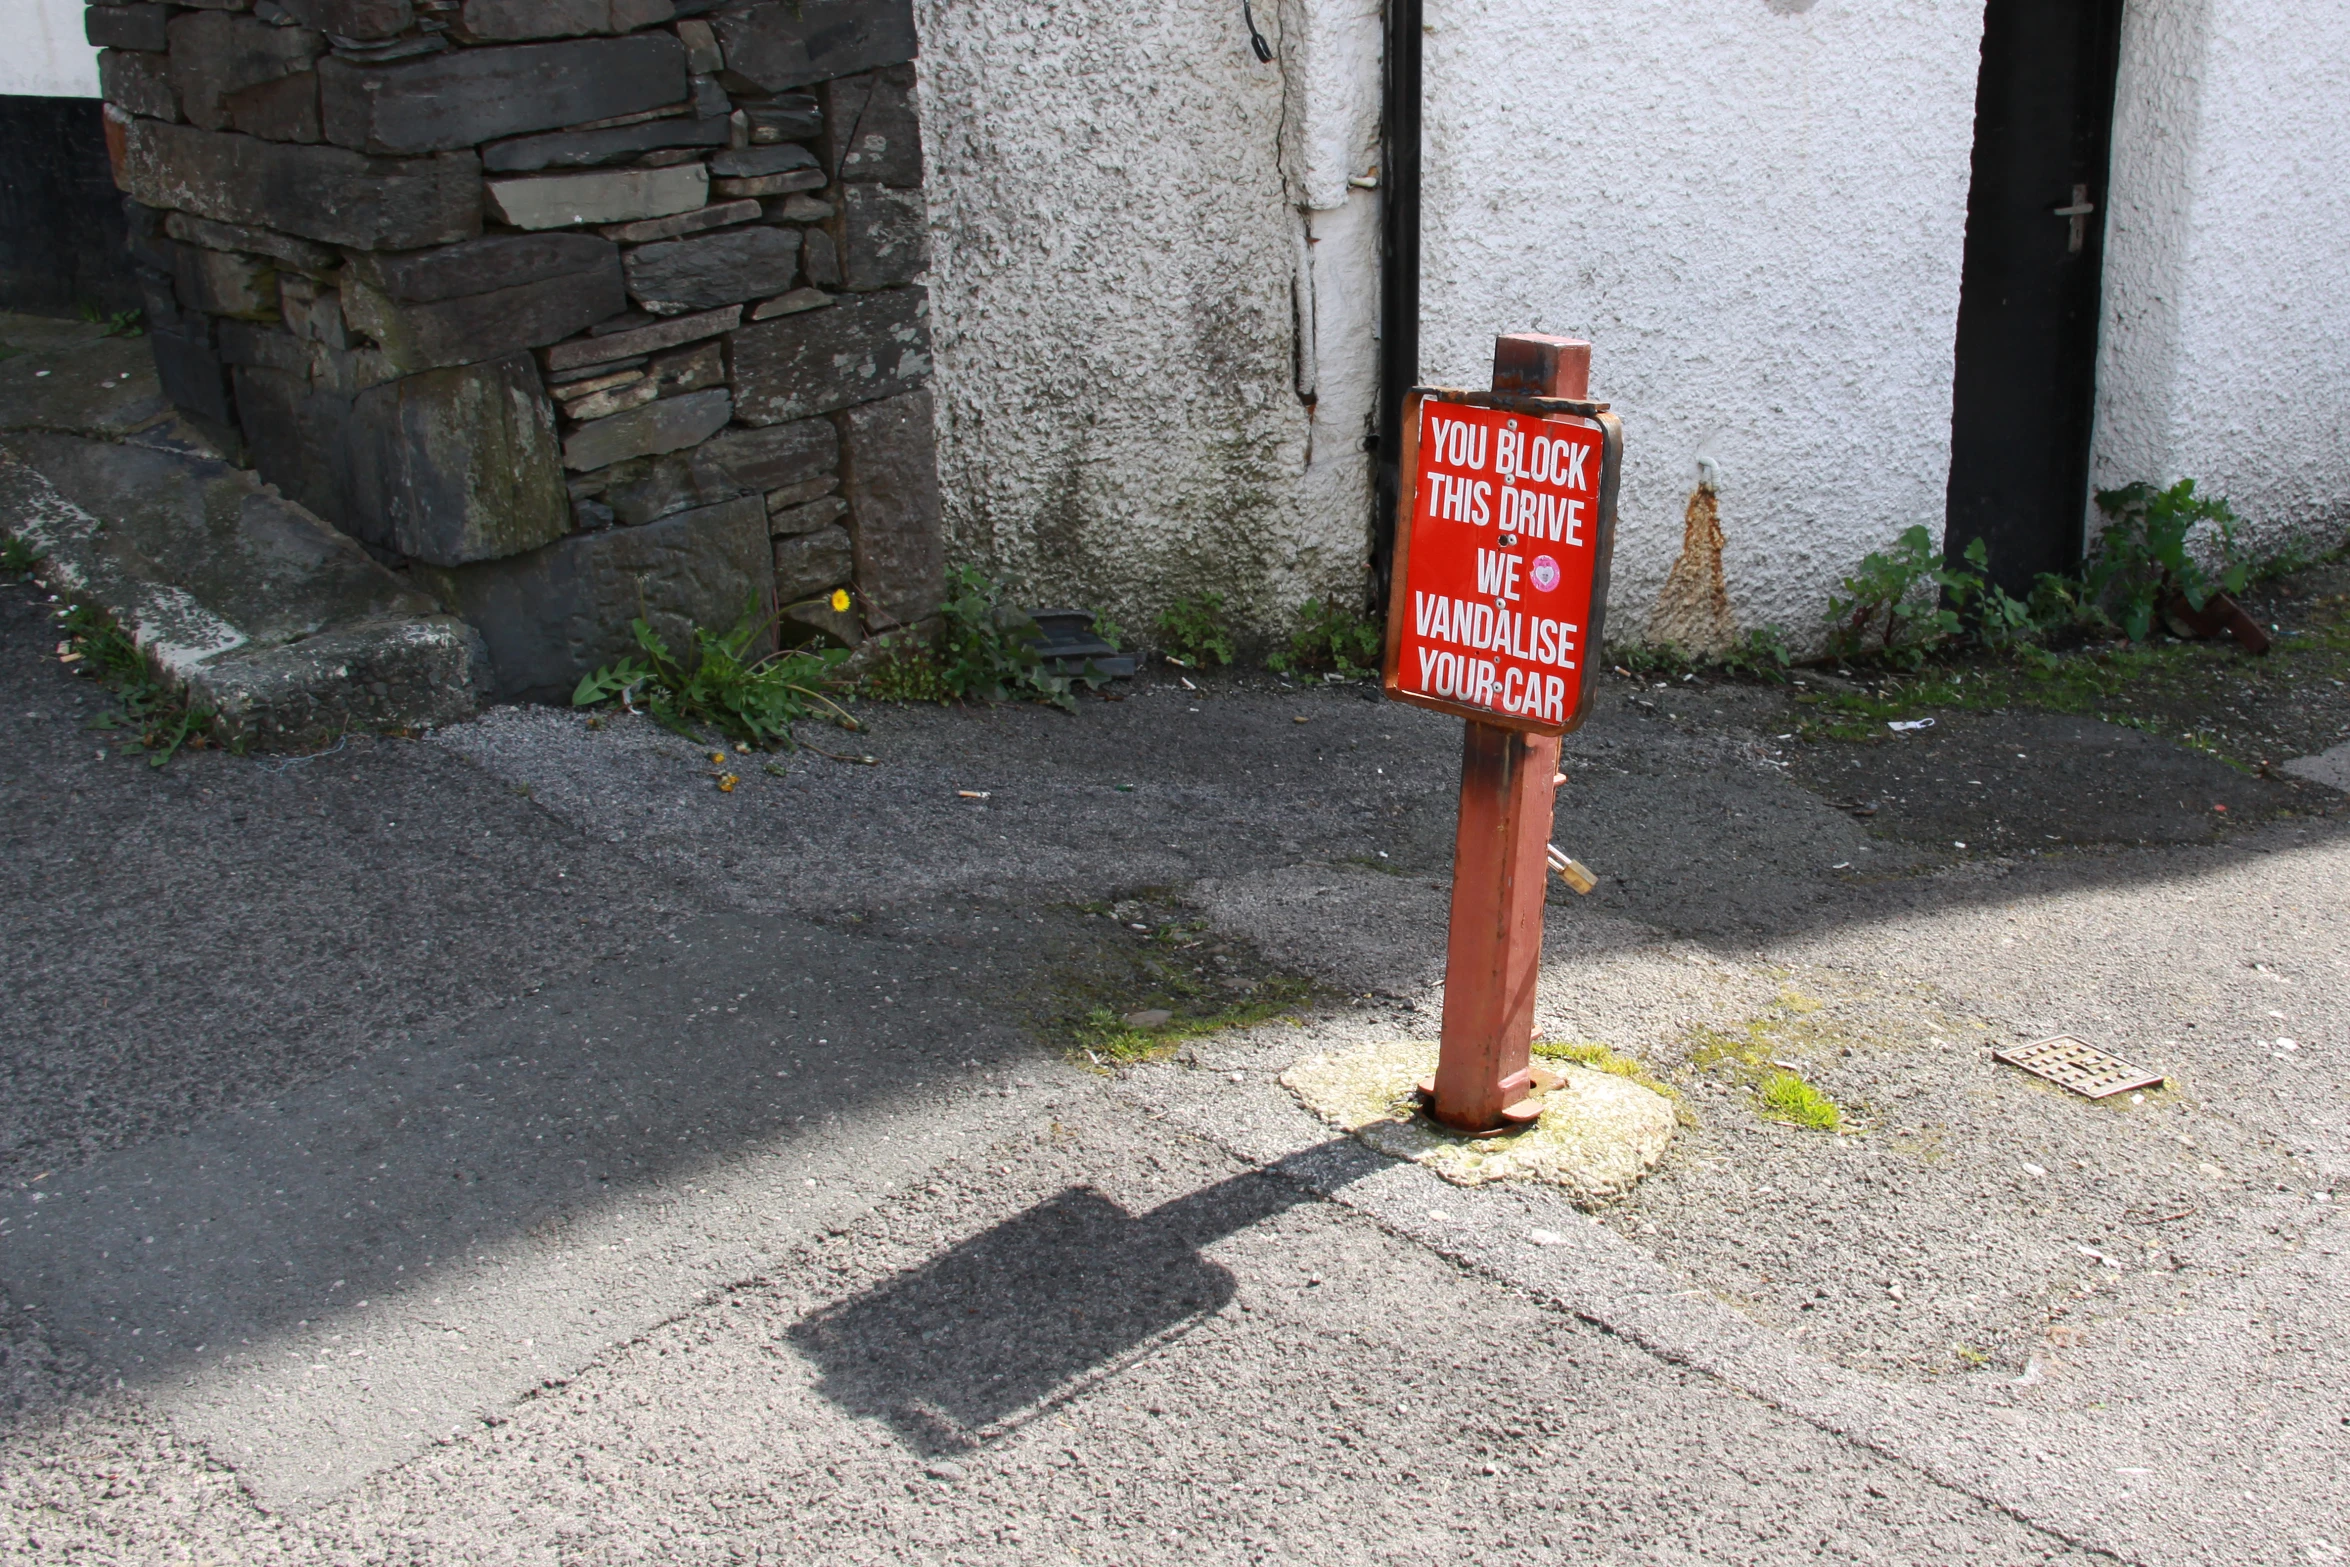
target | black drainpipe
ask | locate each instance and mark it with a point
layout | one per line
(1399, 276)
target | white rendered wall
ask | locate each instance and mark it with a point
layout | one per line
(1757, 213)
(2224, 354)
(42, 52)
(1131, 217)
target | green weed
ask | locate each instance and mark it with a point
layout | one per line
(119, 323)
(1785, 1097)
(155, 714)
(986, 651)
(17, 558)
(2147, 552)
(1195, 631)
(1333, 637)
(751, 698)
(1600, 1058)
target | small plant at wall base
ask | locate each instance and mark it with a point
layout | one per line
(1331, 637)
(2146, 553)
(17, 558)
(1893, 604)
(160, 719)
(753, 699)
(1194, 631)
(986, 651)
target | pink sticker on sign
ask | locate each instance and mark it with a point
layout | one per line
(1546, 573)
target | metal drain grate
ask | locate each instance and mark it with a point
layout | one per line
(2074, 1063)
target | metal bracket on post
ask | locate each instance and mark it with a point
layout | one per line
(1485, 1077)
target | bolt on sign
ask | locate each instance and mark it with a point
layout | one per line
(1503, 553)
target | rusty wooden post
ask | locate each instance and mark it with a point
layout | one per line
(1493, 952)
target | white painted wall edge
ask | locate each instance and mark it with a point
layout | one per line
(42, 53)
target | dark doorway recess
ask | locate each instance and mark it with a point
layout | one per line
(2027, 313)
(62, 235)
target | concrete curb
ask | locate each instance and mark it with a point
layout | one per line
(288, 692)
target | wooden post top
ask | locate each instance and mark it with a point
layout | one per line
(1539, 365)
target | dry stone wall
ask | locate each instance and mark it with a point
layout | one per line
(567, 307)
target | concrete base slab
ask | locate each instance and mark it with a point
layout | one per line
(1598, 1133)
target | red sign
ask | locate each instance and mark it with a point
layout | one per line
(1501, 559)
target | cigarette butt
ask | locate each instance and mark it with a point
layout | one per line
(970, 794)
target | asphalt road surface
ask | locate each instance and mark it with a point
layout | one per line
(505, 1146)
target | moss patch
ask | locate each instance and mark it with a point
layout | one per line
(2211, 696)
(1600, 1058)
(1174, 964)
(1783, 1096)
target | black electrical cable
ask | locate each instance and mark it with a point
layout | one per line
(1256, 40)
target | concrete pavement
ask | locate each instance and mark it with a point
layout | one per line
(443, 1028)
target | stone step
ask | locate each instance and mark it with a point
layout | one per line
(279, 623)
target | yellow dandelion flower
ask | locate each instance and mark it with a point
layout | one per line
(726, 783)
(840, 599)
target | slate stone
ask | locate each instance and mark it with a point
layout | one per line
(224, 283)
(547, 201)
(465, 96)
(580, 149)
(715, 269)
(474, 327)
(480, 266)
(775, 456)
(889, 472)
(689, 369)
(322, 193)
(702, 55)
(296, 435)
(672, 483)
(791, 116)
(299, 254)
(642, 340)
(559, 613)
(682, 223)
(138, 82)
(793, 496)
(358, 20)
(197, 382)
(247, 343)
(871, 130)
(460, 465)
(283, 110)
(770, 184)
(506, 20)
(885, 236)
(214, 54)
(785, 520)
(746, 161)
(159, 305)
(868, 347)
(142, 235)
(774, 44)
(810, 562)
(657, 427)
(127, 27)
(814, 622)
(312, 314)
(820, 259)
(786, 304)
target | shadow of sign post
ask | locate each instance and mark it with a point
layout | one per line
(1002, 1327)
